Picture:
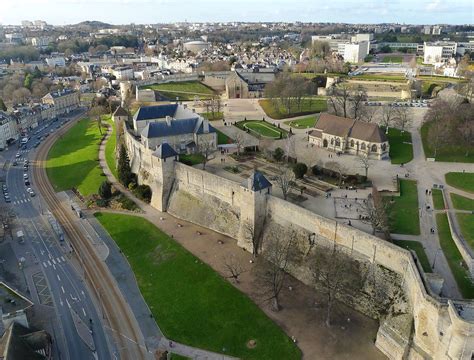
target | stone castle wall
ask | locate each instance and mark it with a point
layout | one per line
(424, 326)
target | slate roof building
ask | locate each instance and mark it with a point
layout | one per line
(244, 83)
(64, 101)
(20, 343)
(173, 124)
(340, 134)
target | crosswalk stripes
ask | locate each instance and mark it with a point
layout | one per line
(52, 262)
(21, 201)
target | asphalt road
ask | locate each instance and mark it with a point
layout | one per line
(45, 253)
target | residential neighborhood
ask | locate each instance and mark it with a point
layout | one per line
(278, 181)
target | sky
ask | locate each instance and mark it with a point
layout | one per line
(61, 12)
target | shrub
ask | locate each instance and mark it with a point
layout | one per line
(132, 185)
(143, 192)
(101, 202)
(105, 190)
(126, 203)
(300, 169)
(278, 154)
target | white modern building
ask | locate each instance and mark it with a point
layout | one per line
(362, 37)
(354, 52)
(439, 52)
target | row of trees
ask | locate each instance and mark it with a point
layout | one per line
(333, 272)
(347, 102)
(289, 90)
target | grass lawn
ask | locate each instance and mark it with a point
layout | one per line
(178, 357)
(462, 203)
(463, 181)
(308, 106)
(262, 128)
(392, 59)
(466, 222)
(218, 115)
(303, 123)
(191, 302)
(185, 90)
(72, 161)
(454, 258)
(223, 138)
(438, 200)
(191, 159)
(110, 149)
(452, 153)
(401, 148)
(404, 217)
(420, 252)
(427, 87)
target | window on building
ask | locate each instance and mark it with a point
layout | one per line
(332, 141)
(352, 143)
(384, 147)
(362, 147)
(338, 142)
(374, 148)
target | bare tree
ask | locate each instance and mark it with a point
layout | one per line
(388, 113)
(339, 99)
(402, 117)
(279, 253)
(285, 180)
(438, 134)
(368, 113)
(358, 98)
(375, 212)
(249, 232)
(233, 268)
(239, 141)
(338, 168)
(365, 162)
(336, 273)
(96, 113)
(465, 125)
(206, 148)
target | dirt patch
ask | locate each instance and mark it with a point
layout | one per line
(351, 336)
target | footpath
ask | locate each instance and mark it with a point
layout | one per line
(121, 270)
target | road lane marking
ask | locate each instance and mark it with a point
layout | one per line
(68, 305)
(84, 312)
(73, 298)
(44, 264)
(49, 263)
(54, 267)
(54, 262)
(61, 302)
(62, 288)
(59, 279)
(62, 258)
(82, 292)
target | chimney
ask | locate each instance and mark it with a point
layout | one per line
(205, 126)
(168, 120)
(249, 183)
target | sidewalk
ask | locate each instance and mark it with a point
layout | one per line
(121, 270)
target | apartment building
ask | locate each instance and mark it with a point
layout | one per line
(438, 51)
(63, 101)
